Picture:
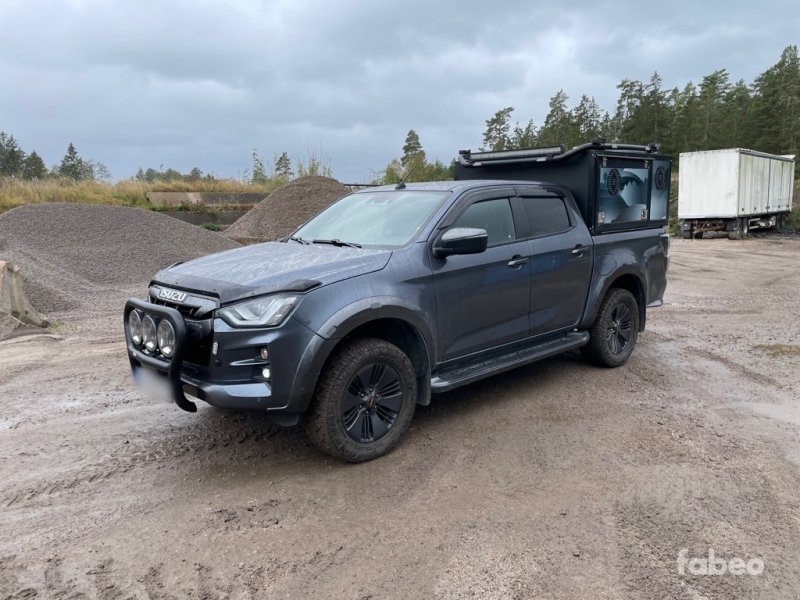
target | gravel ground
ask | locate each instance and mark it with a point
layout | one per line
(285, 209)
(80, 259)
(558, 480)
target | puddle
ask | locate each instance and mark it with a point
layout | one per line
(779, 412)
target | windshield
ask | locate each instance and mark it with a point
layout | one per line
(386, 218)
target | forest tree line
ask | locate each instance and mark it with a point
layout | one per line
(715, 113)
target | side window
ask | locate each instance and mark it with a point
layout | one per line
(492, 215)
(546, 215)
(622, 195)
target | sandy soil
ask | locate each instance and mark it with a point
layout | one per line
(559, 480)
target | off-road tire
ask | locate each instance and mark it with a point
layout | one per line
(325, 424)
(601, 349)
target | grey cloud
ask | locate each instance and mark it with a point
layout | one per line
(189, 83)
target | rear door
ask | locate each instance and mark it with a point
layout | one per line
(561, 253)
(483, 299)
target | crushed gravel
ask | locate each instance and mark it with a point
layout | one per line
(88, 258)
(285, 209)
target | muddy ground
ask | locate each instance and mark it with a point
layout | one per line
(558, 480)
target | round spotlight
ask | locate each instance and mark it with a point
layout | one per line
(135, 327)
(149, 334)
(166, 338)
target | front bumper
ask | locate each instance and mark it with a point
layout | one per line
(232, 378)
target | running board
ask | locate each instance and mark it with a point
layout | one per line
(448, 379)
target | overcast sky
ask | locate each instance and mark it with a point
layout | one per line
(138, 83)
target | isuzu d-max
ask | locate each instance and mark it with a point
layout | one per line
(395, 293)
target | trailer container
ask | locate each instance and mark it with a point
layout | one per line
(733, 191)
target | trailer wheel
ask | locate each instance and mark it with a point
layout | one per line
(615, 331)
(736, 232)
(744, 229)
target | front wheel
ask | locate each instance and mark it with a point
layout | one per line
(615, 331)
(364, 401)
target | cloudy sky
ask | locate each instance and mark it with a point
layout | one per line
(183, 83)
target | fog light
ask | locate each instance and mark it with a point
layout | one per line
(149, 334)
(264, 353)
(166, 338)
(265, 373)
(135, 327)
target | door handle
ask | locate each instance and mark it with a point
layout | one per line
(517, 261)
(579, 250)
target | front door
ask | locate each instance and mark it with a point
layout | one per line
(483, 299)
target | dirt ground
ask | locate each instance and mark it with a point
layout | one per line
(558, 480)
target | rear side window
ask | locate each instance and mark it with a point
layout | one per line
(546, 215)
(492, 215)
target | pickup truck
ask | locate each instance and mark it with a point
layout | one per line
(395, 293)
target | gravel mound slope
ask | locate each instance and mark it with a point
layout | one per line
(287, 208)
(77, 255)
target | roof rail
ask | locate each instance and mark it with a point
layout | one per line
(468, 158)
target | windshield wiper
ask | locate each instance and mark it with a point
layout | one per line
(337, 242)
(299, 240)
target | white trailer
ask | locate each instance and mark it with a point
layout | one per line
(733, 190)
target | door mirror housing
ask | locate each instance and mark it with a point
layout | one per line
(461, 240)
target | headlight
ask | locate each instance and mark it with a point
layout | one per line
(166, 338)
(267, 311)
(135, 327)
(149, 333)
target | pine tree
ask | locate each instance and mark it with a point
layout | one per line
(34, 167)
(413, 154)
(495, 136)
(73, 166)
(283, 167)
(259, 173)
(12, 158)
(558, 126)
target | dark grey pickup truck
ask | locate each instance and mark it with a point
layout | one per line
(395, 293)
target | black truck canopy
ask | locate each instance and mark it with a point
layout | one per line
(616, 186)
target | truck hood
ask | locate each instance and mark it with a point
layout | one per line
(271, 267)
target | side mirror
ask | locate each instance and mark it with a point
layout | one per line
(461, 240)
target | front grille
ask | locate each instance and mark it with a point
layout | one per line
(186, 311)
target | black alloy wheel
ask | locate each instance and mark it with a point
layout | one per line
(620, 330)
(364, 401)
(371, 403)
(613, 335)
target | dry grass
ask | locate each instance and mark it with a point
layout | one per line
(16, 192)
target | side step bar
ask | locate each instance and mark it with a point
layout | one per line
(448, 379)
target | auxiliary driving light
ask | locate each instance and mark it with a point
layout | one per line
(166, 338)
(264, 353)
(135, 327)
(149, 334)
(265, 373)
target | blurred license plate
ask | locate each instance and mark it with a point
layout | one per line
(154, 384)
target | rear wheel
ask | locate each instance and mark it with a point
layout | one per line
(744, 228)
(364, 401)
(615, 331)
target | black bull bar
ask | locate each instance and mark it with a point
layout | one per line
(169, 366)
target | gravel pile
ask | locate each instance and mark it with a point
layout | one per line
(87, 258)
(285, 209)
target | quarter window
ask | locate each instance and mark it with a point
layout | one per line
(492, 215)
